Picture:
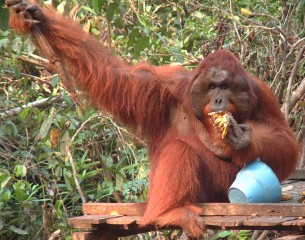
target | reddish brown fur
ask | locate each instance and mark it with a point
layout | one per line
(184, 169)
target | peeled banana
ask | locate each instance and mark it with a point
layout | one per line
(221, 121)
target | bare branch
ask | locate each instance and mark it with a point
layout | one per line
(45, 80)
(296, 95)
(34, 59)
(78, 187)
(37, 104)
(288, 103)
(55, 235)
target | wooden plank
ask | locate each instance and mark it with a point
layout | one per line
(88, 220)
(129, 209)
(208, 209)
(299, 236)
(224, 221)
(298, 222)
(124, 220)
(82, 236)
(255, 209)
(109, 232)
(267, 221)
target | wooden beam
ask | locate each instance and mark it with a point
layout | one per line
(293, 237)
(88, 220)
(224, 221)
(208, 209)
(124, 220)
(82, 236)
(127, 209)
(267, 221)
(255, 209)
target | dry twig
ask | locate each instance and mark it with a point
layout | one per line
(288, 105)
(38, 103)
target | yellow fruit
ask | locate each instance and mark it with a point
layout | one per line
(286, 197)
(114, 213)
(221, 121)
(245, 11)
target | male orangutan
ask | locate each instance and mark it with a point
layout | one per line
(191, 160)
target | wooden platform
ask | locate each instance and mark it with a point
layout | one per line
(105, 220)
(112, 220)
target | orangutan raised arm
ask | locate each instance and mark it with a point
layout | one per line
(128, 92)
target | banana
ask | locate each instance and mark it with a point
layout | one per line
(221, 121)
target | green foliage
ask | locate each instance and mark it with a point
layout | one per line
(234, 235)
(3, 16)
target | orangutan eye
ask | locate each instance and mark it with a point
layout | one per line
(224, 86)
(212, 86)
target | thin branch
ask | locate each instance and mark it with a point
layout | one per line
(74, 10)
(78, 187)
(296, 95)
(132, 6)
(55, 235)
(291, 80)
(291, 13)
(294, 46)
(38, 58)
(276, 76)
(37, 104)
(236, 30)
(39, 61)
(126, 132)
(263, 235)
(106, 6)
(302, 140)
(40, 79)
(83, 125)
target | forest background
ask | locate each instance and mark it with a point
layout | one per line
(56, 152)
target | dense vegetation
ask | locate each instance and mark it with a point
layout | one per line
(56, 152)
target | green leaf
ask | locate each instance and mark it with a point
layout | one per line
(6, 195)
(18, 230)
(89, 9)
(95, 5)
(4, 42)
(65, 143)
(20, 170)
(95, 31)
(4, 179)
(12, 128)
(46, 125)
(58, 208)
(142, 43)
(19, 191)
(24, 113)
(92, 173)
(198, 14)
(55, 81)
(1, 224)
(223, 234)
(245, 234)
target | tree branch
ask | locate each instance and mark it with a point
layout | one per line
(287, 105)
(38, 103)
(78, 187)
(34, 59)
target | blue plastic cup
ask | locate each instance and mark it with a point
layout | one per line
(255, 183)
